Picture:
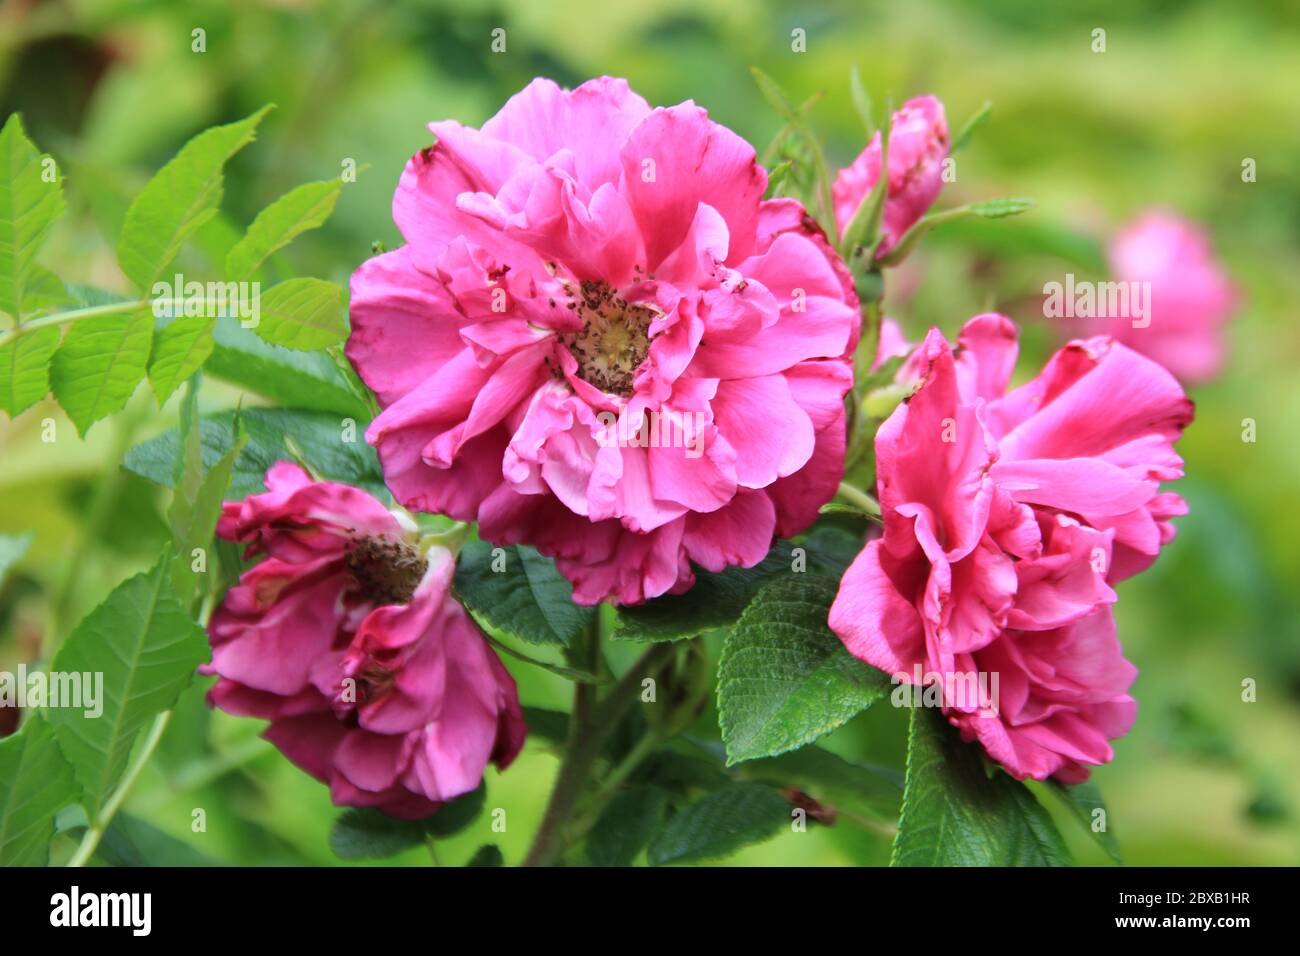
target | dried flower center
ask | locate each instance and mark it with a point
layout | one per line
(614, 339)
(387, 570)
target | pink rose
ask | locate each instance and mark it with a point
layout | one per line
(1190, 295)
(375, 680)
(918, 145)
(599, 340)
(1008, 516)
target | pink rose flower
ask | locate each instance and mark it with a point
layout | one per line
(375, 679)
(1008, 517)
(600, 340)
(1190, 295)
(918, 145)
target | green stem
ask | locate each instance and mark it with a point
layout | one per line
(590, 727)
(70, 316)
(97, 828)
(860, 498)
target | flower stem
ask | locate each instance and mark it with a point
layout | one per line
(590, 727)
(97, 828)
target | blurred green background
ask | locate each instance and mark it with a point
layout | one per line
(1183, 93)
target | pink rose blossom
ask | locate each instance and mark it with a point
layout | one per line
(600, 340)
(918, 145)
(1008, 518)
(375, 680)
(1191, 296)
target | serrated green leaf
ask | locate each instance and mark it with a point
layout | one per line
(302, 208)
(306, 380)
(101, 361)
(366, 834)
(43, 292)
(317, 435)
(28, 207)
(956, 814)
(720, 824)
(302, 314)
(35, 782)
(147, 649)
(180, 347)
(716, 600)
(785, 679)
(25, 369)
(625, 825)
(178, 200)
(12, 548)
(527, 598)
(1083, 801)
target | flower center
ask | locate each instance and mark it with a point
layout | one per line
(614, 339)
(387, 570)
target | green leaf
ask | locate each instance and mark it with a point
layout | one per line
(193, 515)
(130, 841)
(43, 292)
(35, 782)
(962, 139)
(366, 834)
(317, 435)
(625, 825)
(306, 380)
(147, 648)
(715, 601)
(957, 814)
(302, 208)
(785, 679)
(1001, 208)
(862, 102)
(28, 207)
(302, 314)
(99, 364)
(527, 598)
(25, 369)
(180, 348)
(719, 824)
(489, 854)
(12, 548)
(989, 209)
(1083, 801)
(183, 196)
(831, 778)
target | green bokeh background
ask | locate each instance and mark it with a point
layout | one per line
(1165, 116)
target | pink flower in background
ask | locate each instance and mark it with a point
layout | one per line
(918, 145)
(375, 680)
(601, 341)
(1008, 516)
(1190, 295)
